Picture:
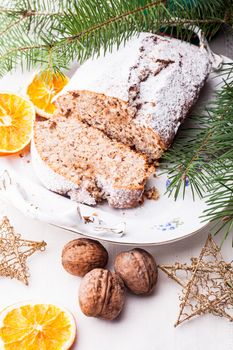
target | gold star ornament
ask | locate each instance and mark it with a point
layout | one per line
(14, 252)
(207, 284)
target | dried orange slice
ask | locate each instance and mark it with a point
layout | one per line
(29, 326)
(16, 122)
(42, 90)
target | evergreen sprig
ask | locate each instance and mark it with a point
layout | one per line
(51, 34)
(202, 154)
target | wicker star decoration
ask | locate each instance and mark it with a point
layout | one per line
(14, 252)
(207, 284)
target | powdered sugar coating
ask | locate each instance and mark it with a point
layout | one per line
(166, 93)
(178, 71)
(57, 183)
(120, 198)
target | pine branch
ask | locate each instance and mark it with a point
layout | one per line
(203, 155)
(22, 27)
(65, 44)
(80, 29)
(28, 13)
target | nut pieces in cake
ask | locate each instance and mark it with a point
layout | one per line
(102, 294)
(83, 255)
(138, 270)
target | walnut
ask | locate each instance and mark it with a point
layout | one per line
(138, 270)
(102, 294)
(83, 255)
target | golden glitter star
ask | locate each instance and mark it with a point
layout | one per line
(207, 284)
(14, 251)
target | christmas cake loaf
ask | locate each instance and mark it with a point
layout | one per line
(117, 114)
(140, 94)
(74, 159)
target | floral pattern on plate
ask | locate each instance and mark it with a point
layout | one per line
(171, 225)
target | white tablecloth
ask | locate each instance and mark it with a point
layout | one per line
(146, 322)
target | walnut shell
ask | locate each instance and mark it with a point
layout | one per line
(138, 270)
(83, 255)
(102, 294)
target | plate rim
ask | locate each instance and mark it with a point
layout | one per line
(138, 244)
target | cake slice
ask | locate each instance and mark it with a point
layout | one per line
(77, 160)
(114, 117)
(140, 94)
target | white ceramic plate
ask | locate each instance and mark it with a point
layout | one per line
(155, 222)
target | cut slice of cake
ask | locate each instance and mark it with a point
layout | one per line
(113, 117)
(74, 159)
(140, 94)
